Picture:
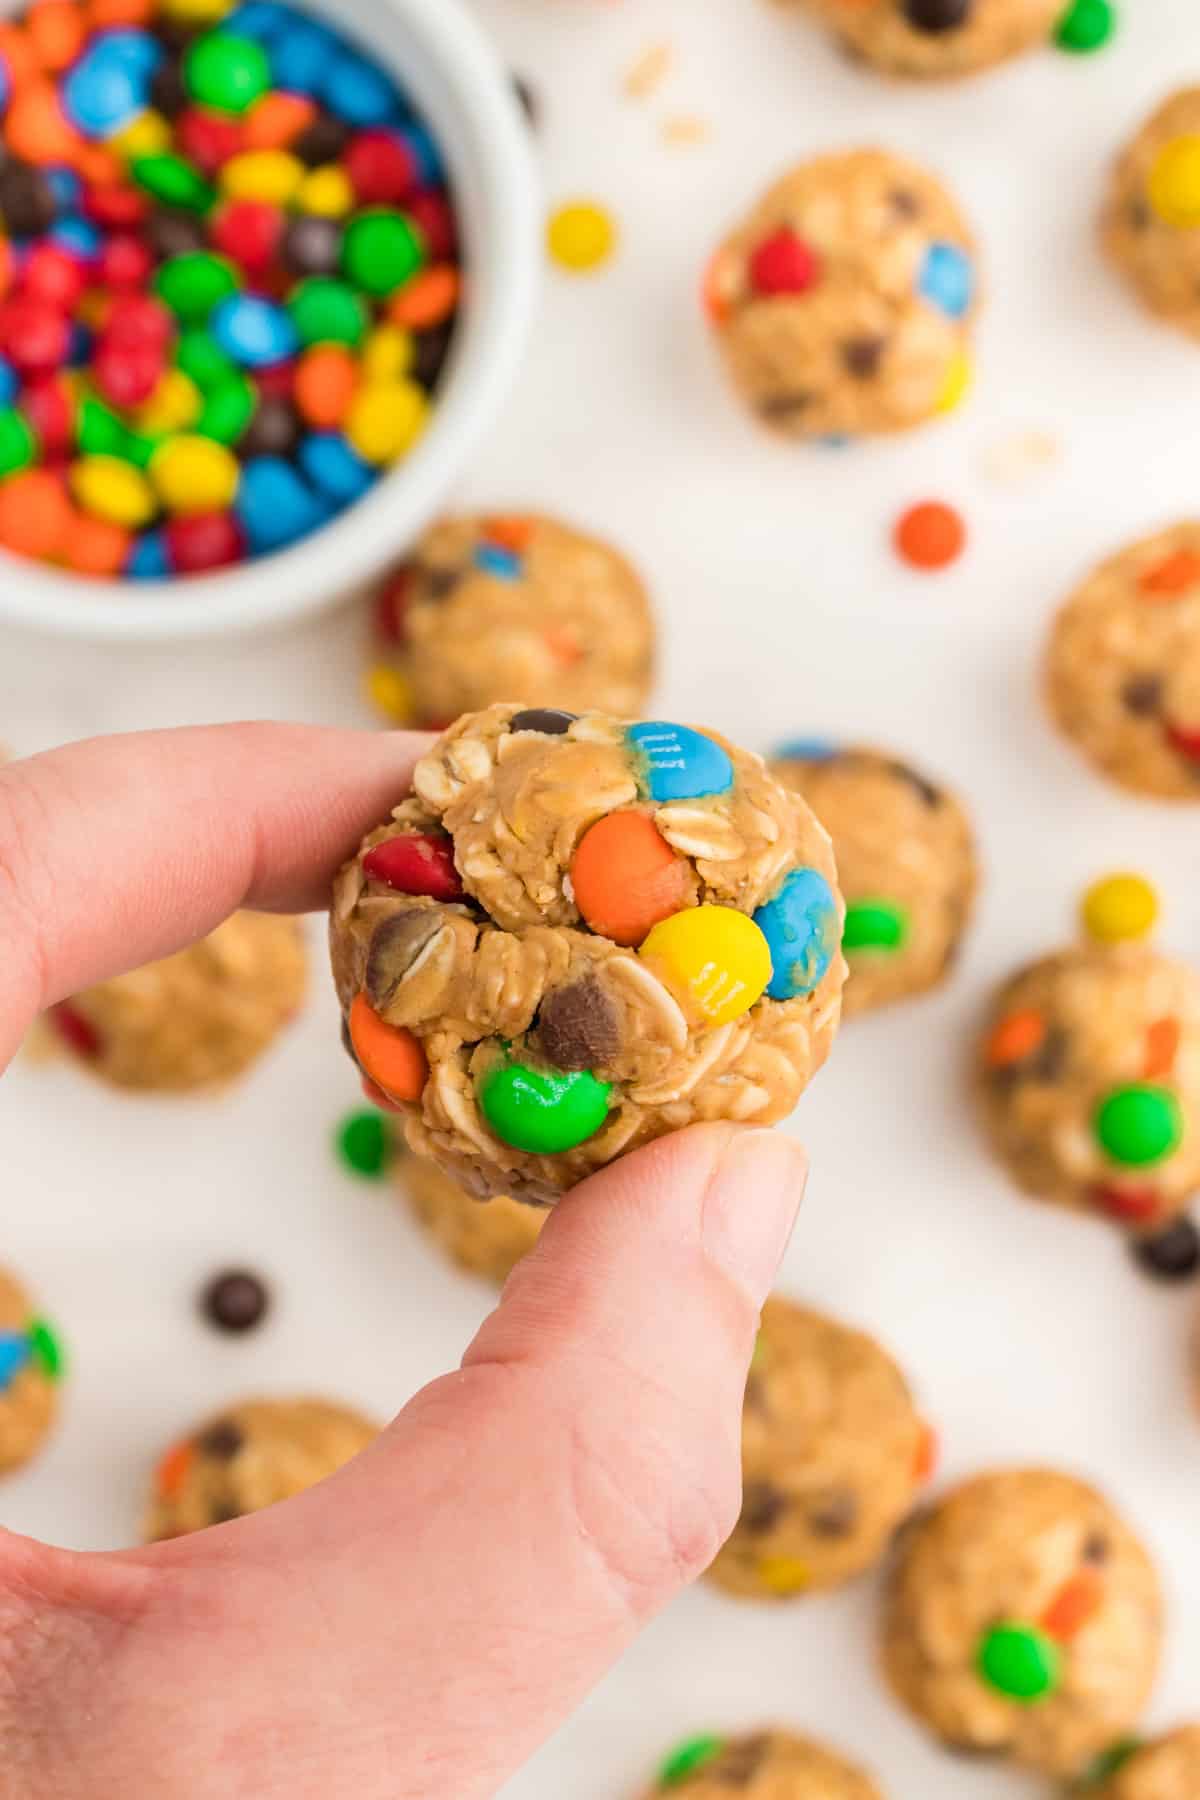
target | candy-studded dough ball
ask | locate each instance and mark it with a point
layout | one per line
(492, 609)
(248, 1457)
(580, 934)
(906, 862)
(833, 1455)
(195, 1019)
(1024, 1619)
(1123, 668)
(1089, 1078)
(1151, 219)
(843, 306)
(1167, 1769)
(933, 39)
(31, 1368)
(767, 1765)
(485, 1237)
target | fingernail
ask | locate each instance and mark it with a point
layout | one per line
(750, 1207)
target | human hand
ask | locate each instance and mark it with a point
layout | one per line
(416, 1626)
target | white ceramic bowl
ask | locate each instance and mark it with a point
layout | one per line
(465, 94)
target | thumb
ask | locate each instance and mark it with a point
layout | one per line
(475, 1572)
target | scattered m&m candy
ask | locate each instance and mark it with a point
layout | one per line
(1118, 908)
(1020, 1661)
(541, 1111)
(715, 960)
(676, 763)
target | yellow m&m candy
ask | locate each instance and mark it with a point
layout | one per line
(1118, 908)
(272, 176)
(110, 488)
(387, 354)
(784, 1575)
(327, 192)
(195, 475)
(386, 419)
(1174, 184)
(714, 960)
(147, 135)
(173, 406)
(389, 690)
(957, 384)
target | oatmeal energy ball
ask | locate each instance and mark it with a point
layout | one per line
(1089, 1082)
(248, 1457)
(769, 1765)
(843, 305)
(195, 1019)
(1024, 1619)
(484, 1237)
(833, 1456)
(906, 862)
(31, 1368)
(1150, 224)
(1167, 1769)
(933, 38)
(580, 934)
(523, 608)
(1123, 665)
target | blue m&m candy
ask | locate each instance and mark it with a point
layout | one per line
(9, 384)
(261, 19)
(149, 559)
(14, 1354)
(138, 50)
(274, 505)
(253, 332)
(358, 91)
(495, 560)
(806, 750)
(335, 467)
(947, 279)
(802, 930)
(300, 56)
(677, 763)
(105, 90)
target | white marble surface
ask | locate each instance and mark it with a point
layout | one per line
(1026, 1332)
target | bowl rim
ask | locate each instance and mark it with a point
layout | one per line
(358, 543)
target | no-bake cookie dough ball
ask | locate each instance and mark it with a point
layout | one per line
(31, 1368)
(1089, 1081)
(906, 863)
(484, 1237)
(843, 306)
(197, 1018)
(1150, 224)
(1024, 1620)
(1123, 667)
(833, 1456)
(492, 609)
(937, 38)
(766, 1765)
(248, 1457)
(1167, 1769)
(580, 934)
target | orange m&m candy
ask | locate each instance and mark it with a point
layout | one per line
(105, 13)
(326, 381)
(94, 547)
(37, 129)
(57, 29)
(427, 299)
(35, 514)
(277, 120)
(627, 878)
(1073, 1605)
(930, 536)
(173, 1469)
(16, 53)
(389, 1054)
(1017, 1036)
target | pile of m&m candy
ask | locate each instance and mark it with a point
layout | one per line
(228, 281)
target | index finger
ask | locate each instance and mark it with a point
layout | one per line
(119, 850)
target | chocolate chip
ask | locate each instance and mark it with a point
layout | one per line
(937, 15)
(322, 142)
(1142, 695)
(177, 33)
(543, 719)
(835, 1514)
(784, 406)
(1139, 214)
(439, 584)
(578, 1026)
(221, 1441)
(275, 430)
(1096, 1548)
(235, 1301)
(168, 90)
(739, 1763)
(931, 795)
(528, 101)
(396, 944)
(904, 203)
(863, 355)
(27, 203)
(1050, 1058)
(174, 233)
(1171, 1255)
(312, 245)
(430, 350)
(762, 1508)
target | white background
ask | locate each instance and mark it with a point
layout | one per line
(1027, 1333)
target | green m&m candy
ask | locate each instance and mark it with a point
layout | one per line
(364, 1141)
(1086, 25)
(1020, 1661)
(192, 284)
(228, 409)
(874, 925)
(325, 311)
(381, 251)
(46, 1350)
(1139, 1125)
(539, 1111)
(690, 1757)
(17, 444)
(226, 72)
(175, 182)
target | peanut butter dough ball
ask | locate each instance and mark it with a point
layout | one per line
(843, 306)
(833, 1456)
(195, 1019)
(906, 862)
(31, 1368)
(935, 39)
(248, 1457)
(1150, 224)
(1024, 1620)
(1167, 1769)
(515, 608)
(484, 1237)
(1089, 1082)
(1123, 667)
(768, 1765)
(580, 934)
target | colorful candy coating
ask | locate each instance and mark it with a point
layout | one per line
(226, 72)
(930, 535)
(875, 925)
(195, 475)
(113, 489)
(1118, 908)
(14, 1355)
(783, 264)
(1016, 1036)
(391, 1055)
(1021, 1662)
(193, 284)
(581, 236)
(626, 878)
(715, 961)
(784, 1576)
(800, 925)
(947, 280)
(1075, 1603)
(384, 421)
(540, 1112)
(364, 1143)
(688, 1759)
(1173, 187)
(324, 311)
(416, 864)
(676, 763)
(1139, 1125)
(46, 1349)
